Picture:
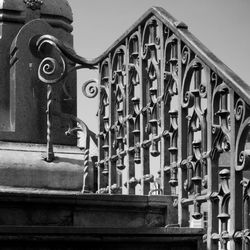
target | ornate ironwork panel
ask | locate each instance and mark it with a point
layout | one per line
(180, 127)
(173, 120)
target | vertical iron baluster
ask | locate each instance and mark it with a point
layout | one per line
(173, 130)
(212, 167)
(245, 233)
(224, 215)
(129, 110)
(164, 160)
(50, 153)
(145, 168)
(112, 176)
(183, 213)
(133, 112)
(100, 127)
(236, 195)
(103, 140)
(196, 144)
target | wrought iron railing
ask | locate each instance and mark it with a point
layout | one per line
(173, 120)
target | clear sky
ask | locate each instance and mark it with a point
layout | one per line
(222, 25)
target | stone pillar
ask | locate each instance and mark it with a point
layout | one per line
(22, 97)
(24, 100)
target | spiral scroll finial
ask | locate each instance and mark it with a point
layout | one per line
(90, 89)
(50, 71)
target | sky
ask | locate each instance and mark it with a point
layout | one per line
(221, 25)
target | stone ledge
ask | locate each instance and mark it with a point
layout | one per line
(76, 238)
(23, 207)
(78, 198)
(52, 231)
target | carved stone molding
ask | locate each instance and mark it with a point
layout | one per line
(33, 4)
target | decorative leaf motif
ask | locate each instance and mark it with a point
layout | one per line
(33, 4)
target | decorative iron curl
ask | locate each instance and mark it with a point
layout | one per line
(240, 109)
(90, 89)
(167, 32)
(185, 55)
(55, 54)
(214, 78)
(187, 97)
(243, 155)
(53, 67)
(188, 100)
(203, 90)
(48, 68)
(244, 161)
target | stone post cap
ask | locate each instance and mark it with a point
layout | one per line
(57, 13)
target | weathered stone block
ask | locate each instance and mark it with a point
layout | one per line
(23, 165)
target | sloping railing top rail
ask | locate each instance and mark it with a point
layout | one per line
(181, 30)
(173, 120)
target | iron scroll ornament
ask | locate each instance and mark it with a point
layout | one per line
(53, 69)
(55, 57)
